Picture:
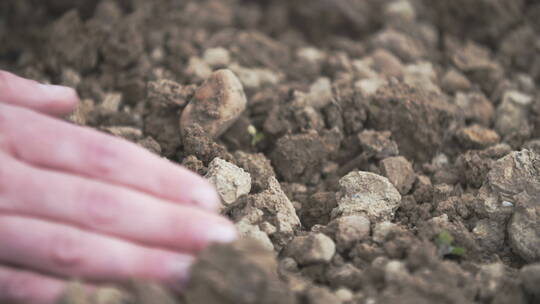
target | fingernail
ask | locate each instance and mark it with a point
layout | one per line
(221, 233)
(205, 197)
(179, 269)
(58, 91)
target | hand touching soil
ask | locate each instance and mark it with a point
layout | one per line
(75, 203)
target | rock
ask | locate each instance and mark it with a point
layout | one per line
(198, 68)
(111, 102)
(217, 57)
(421, 76)
(258, 166)
(477, 137)
(524, 230)
(383, 230)
(230, 181)
(319, 295)
(320, 93)
(240, 273)
(396, 272)
(453, 81)
(253, 231)
(512, 113)
(400, 173)
(273, 206)
(346, 275)
(369, 86)
(344, 294)
(490, 235)
(254, 78)
(419, 121)
(150, 293)
(311, 249)
(398, 43)
(317, 208)
(348, 230)
(365, 193)
(530, 278)
(299, 165)
(490, 279)
(378, 143)
(386, 63)
(400, 11)
(168, 93)
(216, 105)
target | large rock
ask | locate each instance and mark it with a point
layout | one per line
(216, 105)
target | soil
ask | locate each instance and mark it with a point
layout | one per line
(392, 144)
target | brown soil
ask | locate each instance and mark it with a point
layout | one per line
(438, 99)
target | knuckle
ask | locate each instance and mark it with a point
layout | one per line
(66, 250)
(102, 157)
(101, 206)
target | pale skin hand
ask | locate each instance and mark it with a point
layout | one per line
(75, 203)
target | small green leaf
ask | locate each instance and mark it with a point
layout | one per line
(459, 251)
(445, 238)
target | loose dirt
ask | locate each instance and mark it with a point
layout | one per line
(392, 145)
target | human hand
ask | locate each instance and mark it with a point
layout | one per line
(75, 203)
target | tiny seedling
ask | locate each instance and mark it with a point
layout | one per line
(256, 136)
(445, 247)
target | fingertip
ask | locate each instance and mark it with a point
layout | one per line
(61, 99)
(205, 196)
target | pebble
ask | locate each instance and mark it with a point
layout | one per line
(311, 249)
(348, 230)
(477, 137)
(217, 57)
(400, 173)
(366, 193)
(512, 114)
(231, 182)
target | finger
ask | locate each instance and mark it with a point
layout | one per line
(109, 209)
(45, 98)
(83, 151)
(24, 287)
(70, 252)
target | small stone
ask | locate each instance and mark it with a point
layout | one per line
(396, 272)
(382, 230)
(311, 54)
(477, 137)
(311, 249)
(344, 294)
(254, 78)
(512, 113)
(490, 278)
(400, 173)
(530, 278)
(254, 232)
(367, 193)
(216, 105)
(346, 275)
(348, 230)
(150, 293)
(320, 93)
(111, 102)
(387, 64)
(398, 43)
(369, 86)
(475, 107)
(198, 68)
(217, 57)
(378, 143)
(454, 81)
(490, 235)
(401, 10)
(230, 181)
(168, 93)
(278, 211)
(319, 295)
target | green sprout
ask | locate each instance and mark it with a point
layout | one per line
(256, 136)
(445, 245)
